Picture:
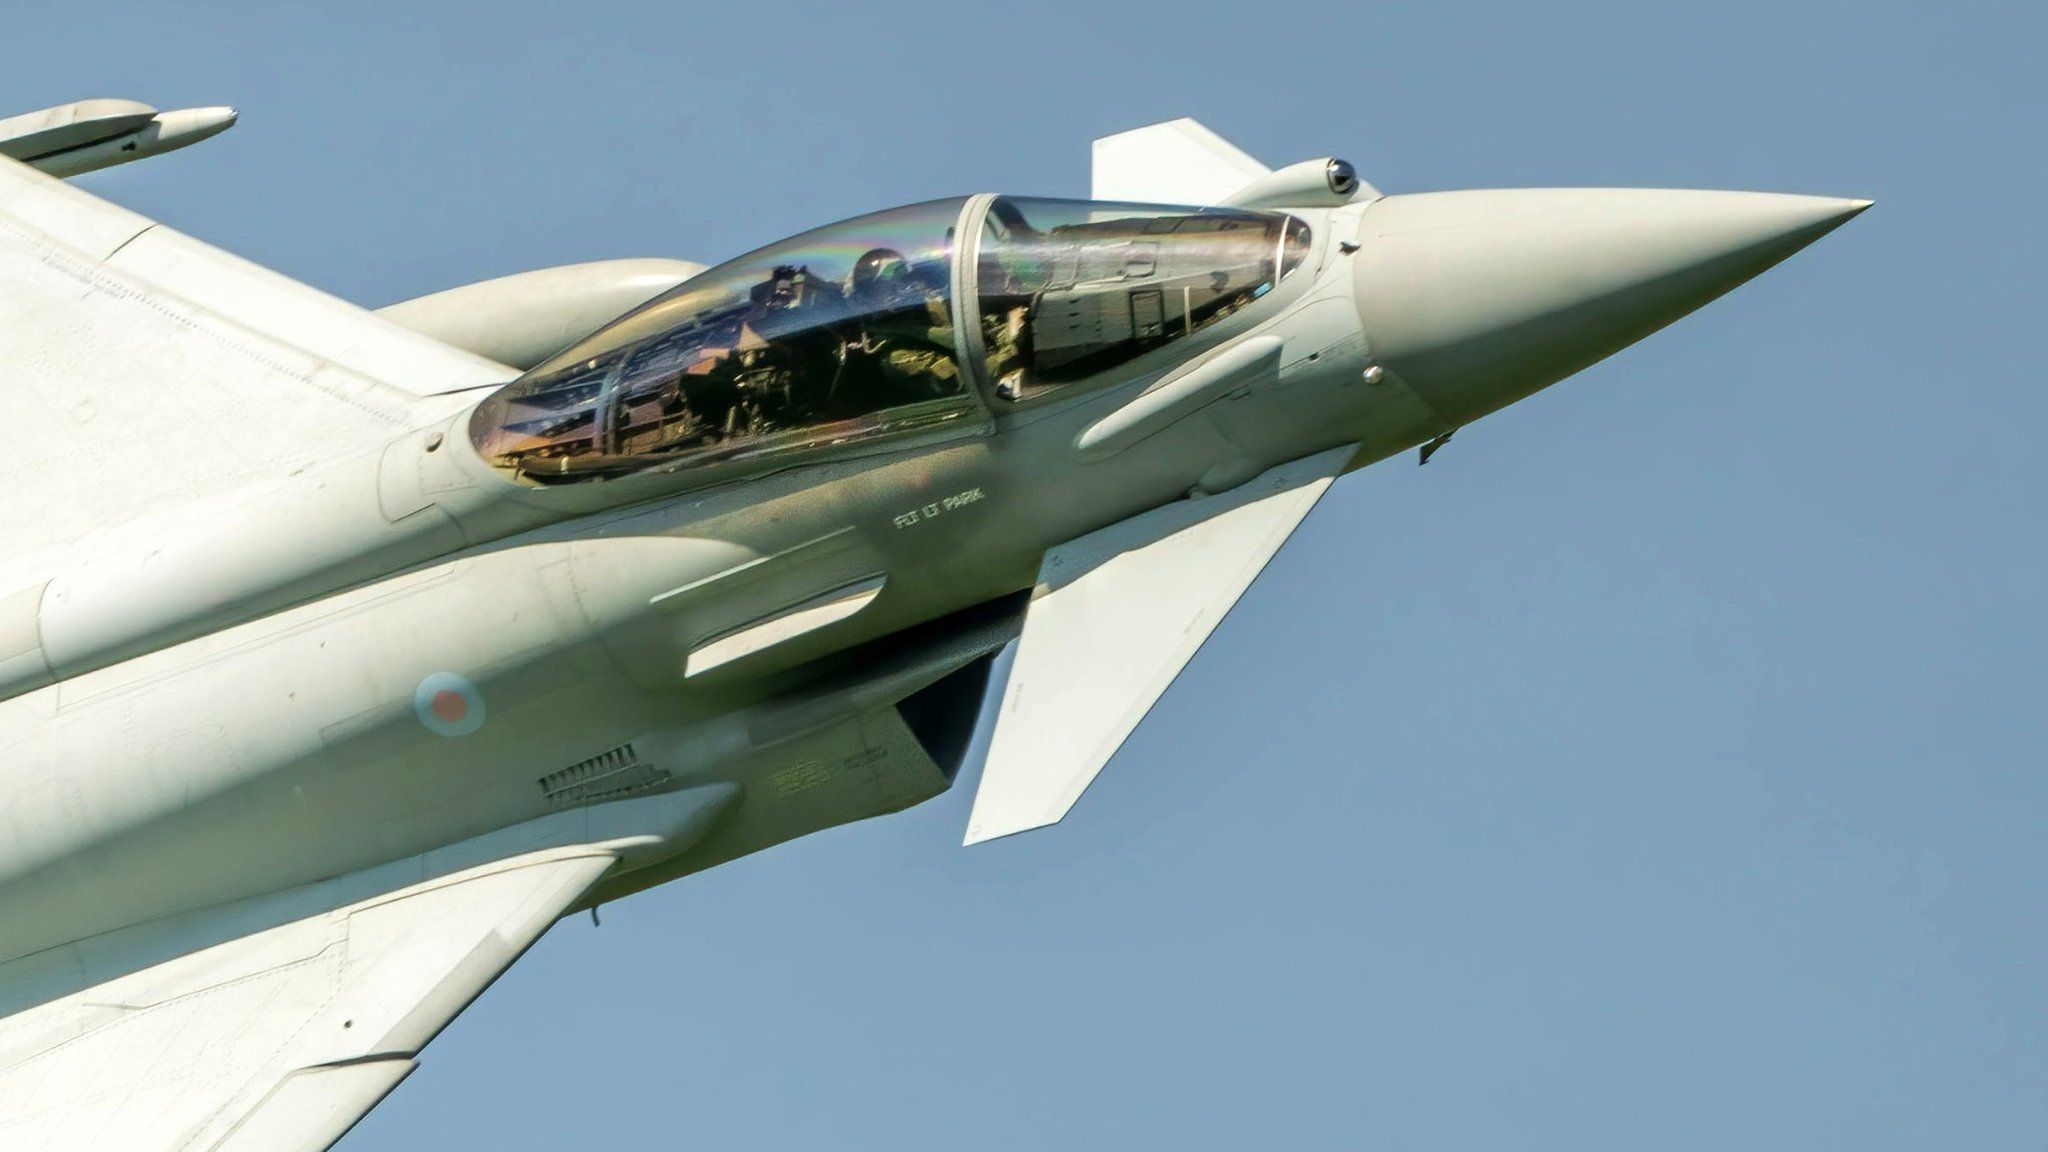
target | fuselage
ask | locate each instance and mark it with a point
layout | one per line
(456, 633)
(198, 755)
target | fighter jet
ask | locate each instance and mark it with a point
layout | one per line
(344, 652)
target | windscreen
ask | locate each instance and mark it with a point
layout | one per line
(1071, 288)
(837, 335)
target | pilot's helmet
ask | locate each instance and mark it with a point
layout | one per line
(881, 275)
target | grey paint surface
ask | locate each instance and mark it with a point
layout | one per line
(526, 317)
(1845, 914)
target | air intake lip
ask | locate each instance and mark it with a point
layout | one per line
(944, 715)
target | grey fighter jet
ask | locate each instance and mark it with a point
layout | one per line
(343, 652)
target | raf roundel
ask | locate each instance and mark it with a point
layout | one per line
(448, 704)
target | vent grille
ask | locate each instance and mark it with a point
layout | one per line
(605, 776)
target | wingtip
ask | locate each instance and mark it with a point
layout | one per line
(978, 834)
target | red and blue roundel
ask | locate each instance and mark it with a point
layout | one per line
(448, 704)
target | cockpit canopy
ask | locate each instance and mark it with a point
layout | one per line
(851, 332)
(1068, 289)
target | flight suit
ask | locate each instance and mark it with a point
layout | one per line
(913, 349)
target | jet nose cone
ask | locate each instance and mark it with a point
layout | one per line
(1478, 299)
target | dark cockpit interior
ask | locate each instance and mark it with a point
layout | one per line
(848, 332)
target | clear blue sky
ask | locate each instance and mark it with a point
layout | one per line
(1663, 766)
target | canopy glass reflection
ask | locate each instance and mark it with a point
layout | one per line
(836, 335)
(852, 332)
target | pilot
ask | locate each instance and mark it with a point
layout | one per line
(1003, 332)
(906, 329)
